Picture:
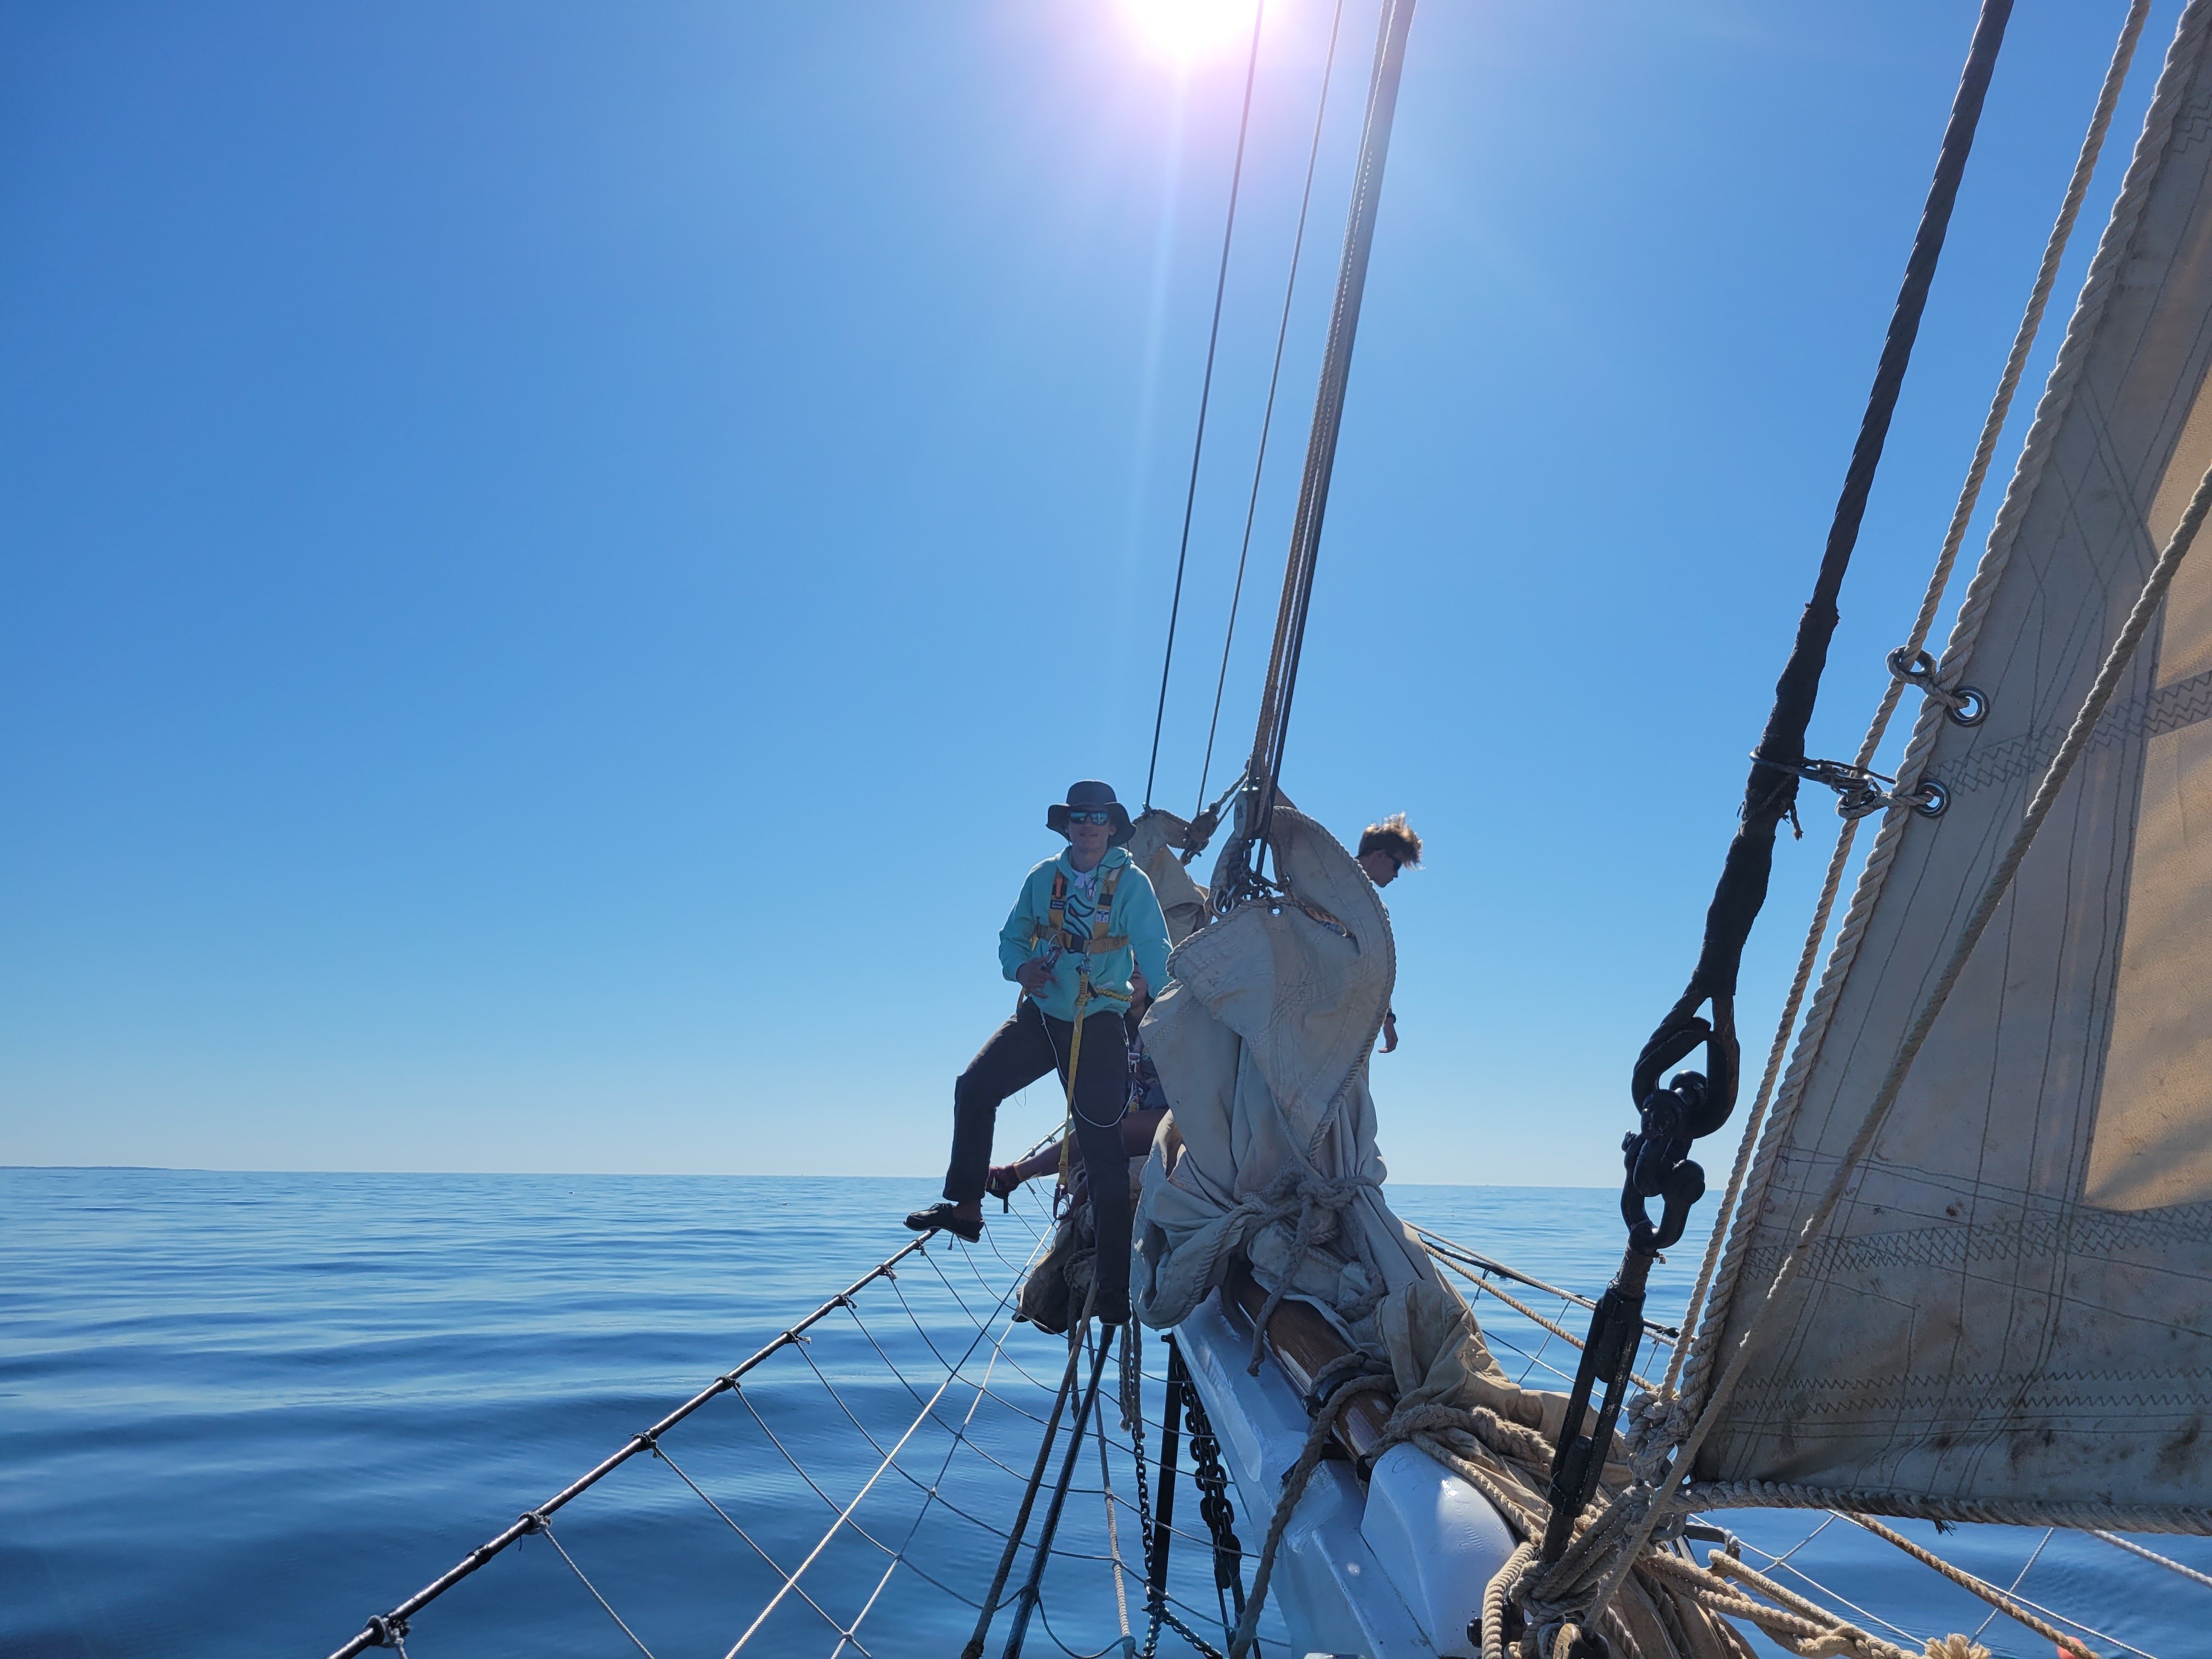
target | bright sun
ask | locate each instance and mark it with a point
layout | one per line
(1189, 31)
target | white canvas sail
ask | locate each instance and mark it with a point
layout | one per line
(2010, 1311)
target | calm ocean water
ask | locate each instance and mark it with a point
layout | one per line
(240, 1412)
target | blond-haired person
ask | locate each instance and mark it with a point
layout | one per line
(1386, 848)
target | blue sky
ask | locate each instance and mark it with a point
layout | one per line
(553, 556)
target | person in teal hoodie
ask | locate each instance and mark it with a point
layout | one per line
(1084, 922)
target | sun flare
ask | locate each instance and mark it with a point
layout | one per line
(1190, 31)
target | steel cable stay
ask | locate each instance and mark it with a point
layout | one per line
(1993, 424)
(1202, 827)
(1167, 1612)
(1206, 392)
(931, 1494)
(1125, 1448)
(1676, 1112)
(895, 1556)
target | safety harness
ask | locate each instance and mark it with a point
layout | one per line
(1101, 943)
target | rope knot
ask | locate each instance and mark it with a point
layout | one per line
(1314, 1204)
(1657, 1424)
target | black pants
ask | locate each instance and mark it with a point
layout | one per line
(1023, 1049)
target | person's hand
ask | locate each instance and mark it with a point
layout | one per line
(1034, 976)
(1389, 1032)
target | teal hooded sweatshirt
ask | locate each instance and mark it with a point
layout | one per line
(1135, 915)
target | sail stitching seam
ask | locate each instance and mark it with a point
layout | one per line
(2168, 708)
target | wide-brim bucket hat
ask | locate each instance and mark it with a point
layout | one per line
(1091, 795)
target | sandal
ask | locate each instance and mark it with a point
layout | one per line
(945, 1216)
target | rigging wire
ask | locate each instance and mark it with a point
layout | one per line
(1206, 392)
(1263, 772)
(1268, 415)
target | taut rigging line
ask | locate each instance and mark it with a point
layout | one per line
(1206, 395)
(1266, 422)
(1262, 773)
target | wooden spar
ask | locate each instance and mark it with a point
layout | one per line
(1302, 1341)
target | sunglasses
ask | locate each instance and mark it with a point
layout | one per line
(1091, 815)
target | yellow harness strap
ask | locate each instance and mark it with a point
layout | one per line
(1056, 917)
(1084, 992)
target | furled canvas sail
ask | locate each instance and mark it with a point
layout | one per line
(2010, 1311)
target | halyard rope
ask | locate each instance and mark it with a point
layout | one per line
(1264, 771)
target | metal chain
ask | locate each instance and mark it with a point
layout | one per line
(1213, 1503)
(1133, 1419)
(1158, 1613)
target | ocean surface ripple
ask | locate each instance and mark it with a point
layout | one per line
(239, 1413)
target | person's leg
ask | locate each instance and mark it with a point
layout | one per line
(1101, 1095)
(1018, 1054)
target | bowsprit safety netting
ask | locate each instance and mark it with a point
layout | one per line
(902, 1457)
(877, 1474)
